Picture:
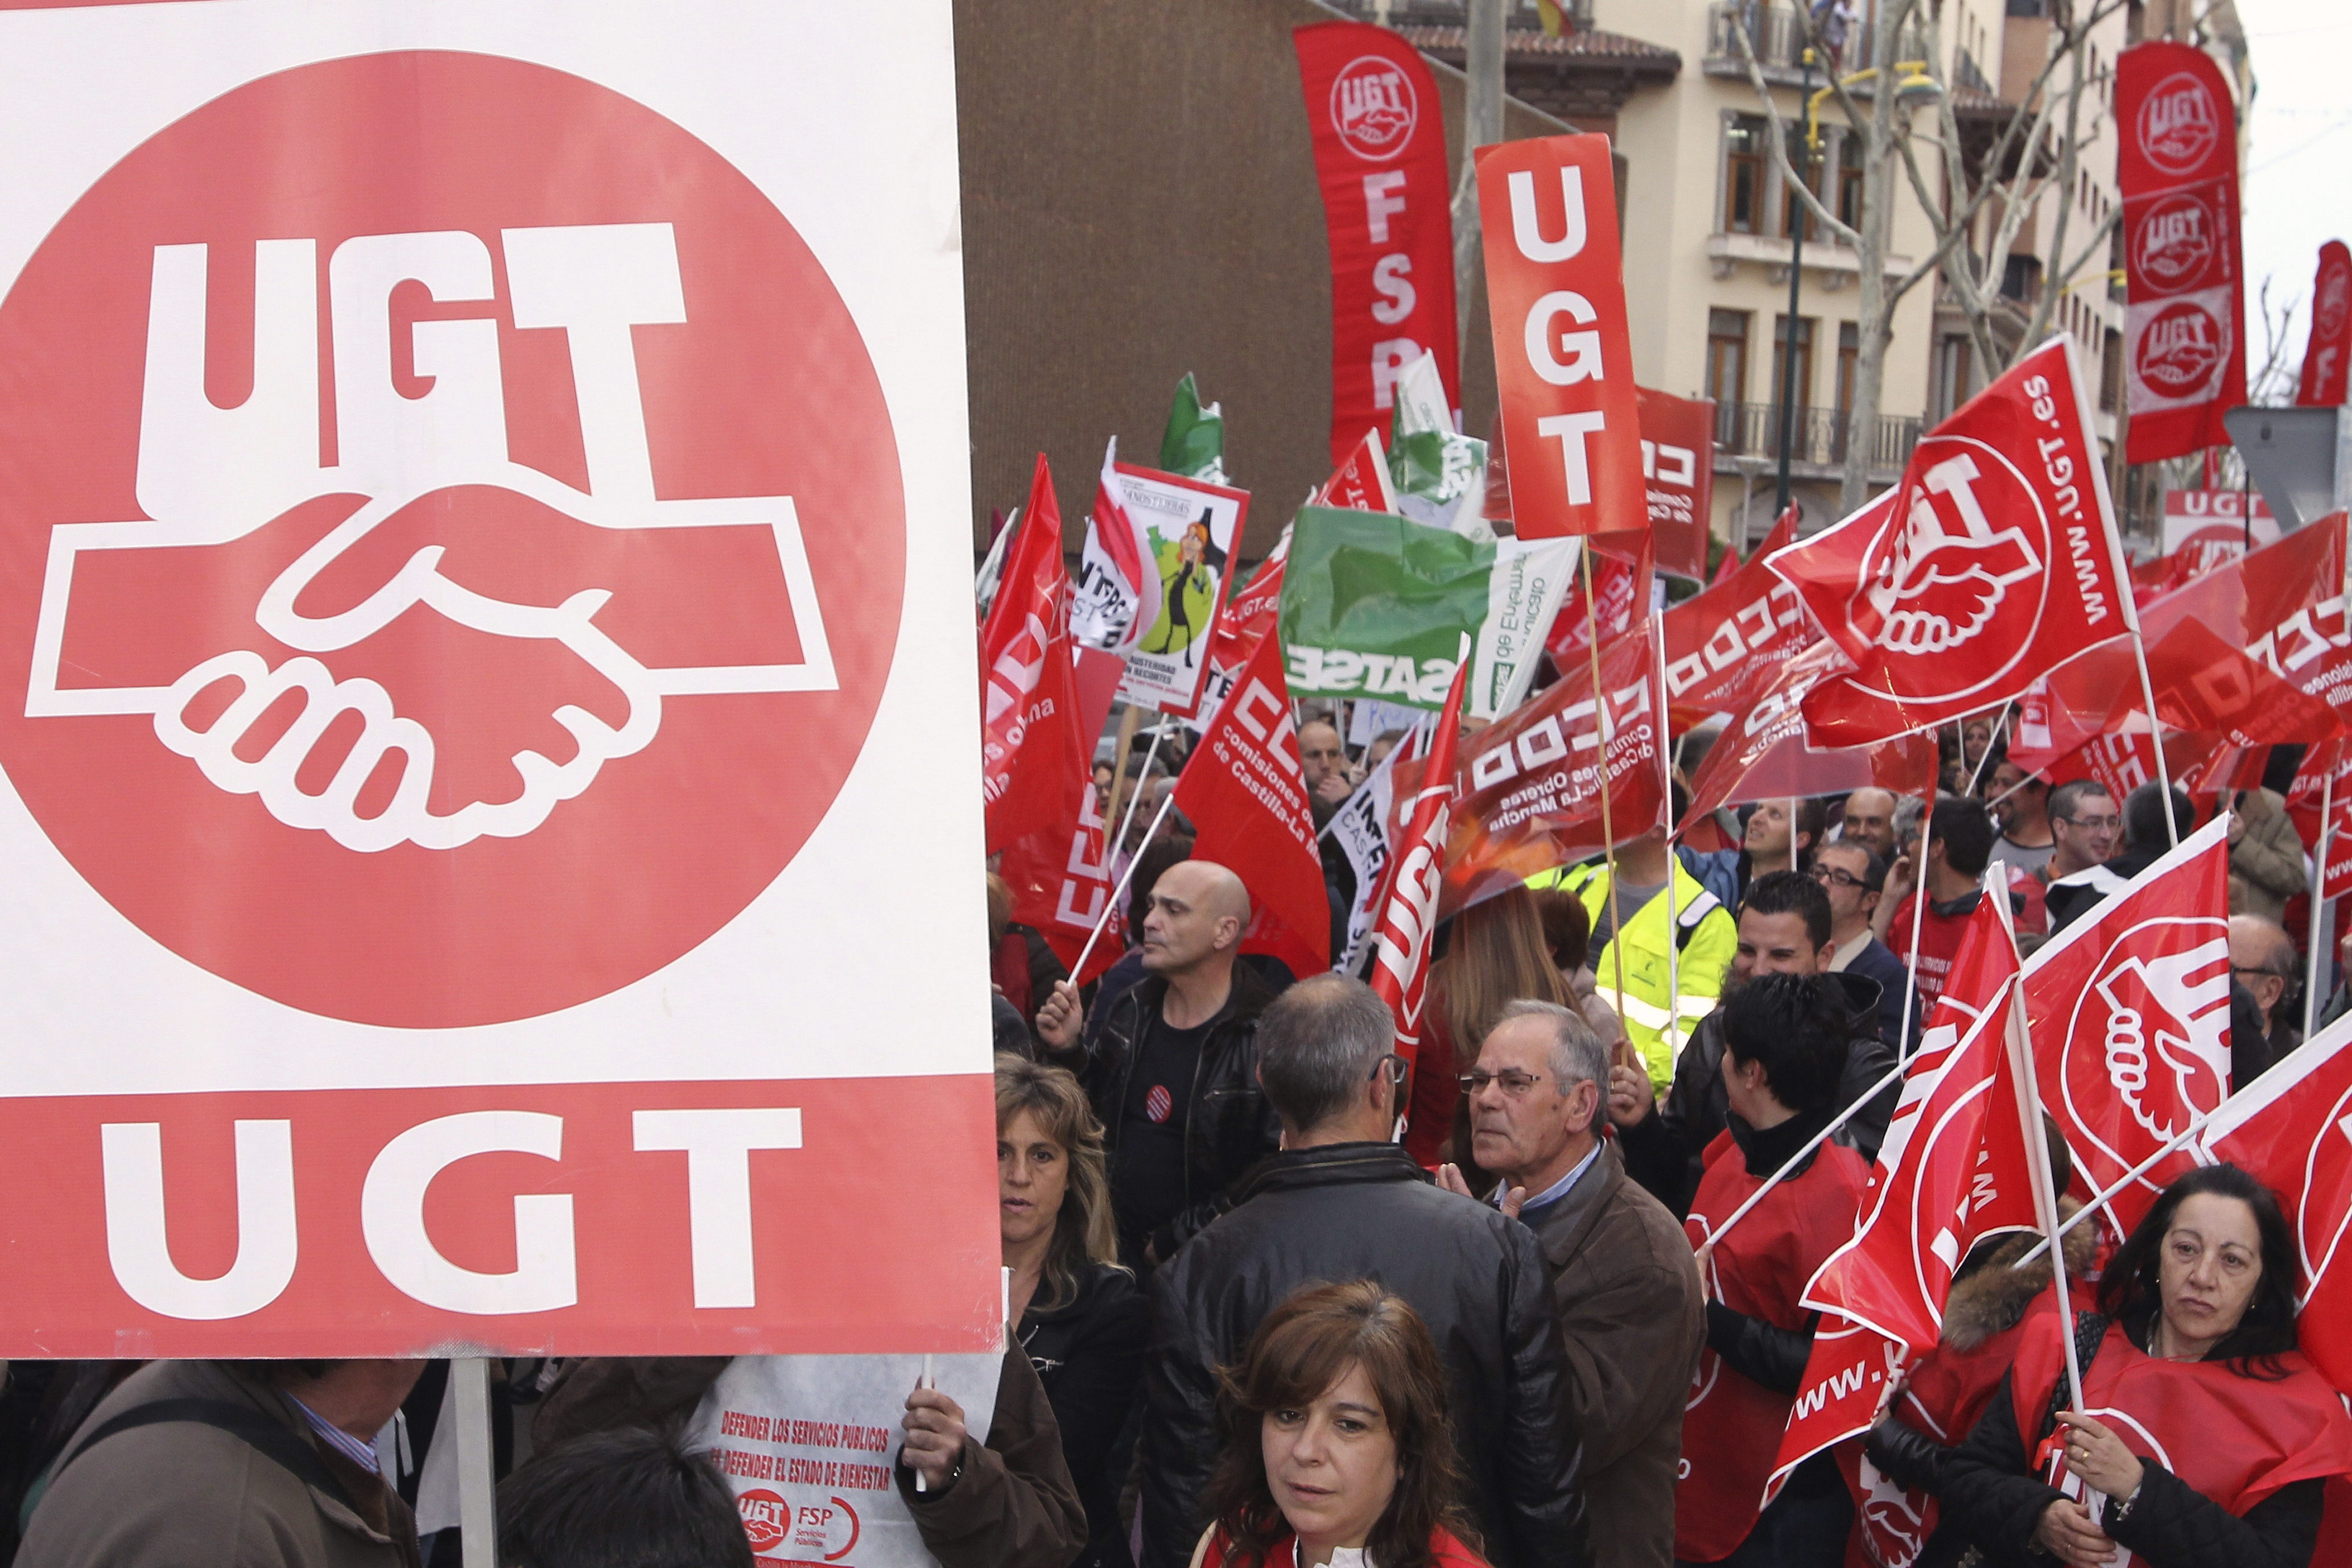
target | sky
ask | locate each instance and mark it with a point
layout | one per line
(2298, 181)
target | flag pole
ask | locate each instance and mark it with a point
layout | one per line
(2156, 732)
(1143, 777)
(1919, 913)
(1600, 727)
(2107, 1194)
(1666, 760)
(1110, 907)
(1818, 1138)
(2319, 933)
(2037, 1161)
(1130, 718)
(1977, 777)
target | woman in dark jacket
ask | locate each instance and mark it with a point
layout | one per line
(2214, 1435)
(1081, 1318)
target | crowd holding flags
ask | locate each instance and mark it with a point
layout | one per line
(1990, 579)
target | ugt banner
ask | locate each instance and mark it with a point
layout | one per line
(2185, 325)
(2327, 352)
(1380, 156)
(467, 476)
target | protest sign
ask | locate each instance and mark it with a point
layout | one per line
(1377, 607)
(807, 1444)
(1189, 528)
(460, 526)
(1563, 360)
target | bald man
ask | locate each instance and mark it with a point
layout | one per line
(1173, 1073)
(2263, 960)
(1870, 822)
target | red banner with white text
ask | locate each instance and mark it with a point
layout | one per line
(1678, 474)
(2327, 354)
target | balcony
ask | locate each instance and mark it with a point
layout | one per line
(1818, 446)
(1831, 266)
(1778, 39)
(1517, 15)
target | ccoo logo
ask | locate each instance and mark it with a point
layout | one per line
(452, 560)
(2180, 349)
(2175, 243)
(1941, 577)
(1374, 108)
(2178, 124)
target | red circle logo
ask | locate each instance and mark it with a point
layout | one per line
(767, 1519)
(1374, 108)
(2333, 302)
(2173, 246)
(2178, 124)
(2148, 1043)
(2179, 349)
(454, 541)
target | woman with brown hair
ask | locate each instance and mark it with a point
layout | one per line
(1495, 955)
(1080, 1316)
(1337, 1454)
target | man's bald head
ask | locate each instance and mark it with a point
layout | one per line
(1199, 911)
(2263, 959)
(1321, 754)
(1870, 821)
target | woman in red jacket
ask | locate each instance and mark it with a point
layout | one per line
(1337, 1449)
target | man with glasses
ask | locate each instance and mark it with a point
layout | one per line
(1856, 880)
(2083, 824)
(1624, 1281)
(1341, 1201)
(2264, 962)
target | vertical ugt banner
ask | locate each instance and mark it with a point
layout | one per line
(2185, 325)
(466, 477)
(1379, 155)
(1563, 363)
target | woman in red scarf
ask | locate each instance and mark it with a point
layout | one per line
(1337, 1449)
(2207, 1437)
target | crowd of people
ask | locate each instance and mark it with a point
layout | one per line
(1281, 1296)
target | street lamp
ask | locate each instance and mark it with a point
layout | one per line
(1796, 283)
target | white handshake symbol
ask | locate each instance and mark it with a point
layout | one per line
(208, 476)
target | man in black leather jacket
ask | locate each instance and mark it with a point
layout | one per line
(1784, 929)
(1173, 1073)
(1341, 1201)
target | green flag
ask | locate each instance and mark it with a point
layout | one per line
(1440, 477)
(1375, 606)
(1193, 445)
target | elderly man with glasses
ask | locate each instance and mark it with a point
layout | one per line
(1622, 1279)
(1342, 1201)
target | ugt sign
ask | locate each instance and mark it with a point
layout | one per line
(456, 527)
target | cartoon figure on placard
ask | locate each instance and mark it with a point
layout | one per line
(1189, 584)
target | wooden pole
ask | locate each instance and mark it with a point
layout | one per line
(1600, 727)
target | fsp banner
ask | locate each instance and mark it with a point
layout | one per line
(467, 475)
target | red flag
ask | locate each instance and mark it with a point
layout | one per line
(1030, 761)
(1563, 358)
(1726, 567)
(1117, 594)
(1725, 645)
(2328, 352)
(1061, 883)
(2129, 1012)
(1361, 482)
(1409, 913)
(1763, 752)
(2184, 326)
(1993, 561)
(1678, 474)
(1529, 797)
(2292, 1129)
(1951, 1172)
(1380, 158)
(1621, 578)
(1246, 796)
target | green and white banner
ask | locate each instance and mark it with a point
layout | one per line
(1193, 444)
(1375, 606)
(1440, 476)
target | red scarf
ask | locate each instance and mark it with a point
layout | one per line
(1449, 1552)
(1732, 1427)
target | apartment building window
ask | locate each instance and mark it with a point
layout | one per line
(1849, 351)
(1849, 182)
(1804, 359)
(1743, 175)
(1952, 373)
(1727, 357)
(1792, 205)
(2111, 372)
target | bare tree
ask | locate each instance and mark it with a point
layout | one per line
(2038, 150)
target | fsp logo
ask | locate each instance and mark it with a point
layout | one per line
(2178, 124)
(1374, 108)
(398, 502)
(1943, 576)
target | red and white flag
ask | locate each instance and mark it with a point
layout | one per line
(1995, 561)
(1362, 481)
(1623, 568)
(1118, 589)
(1763, 752)
(2291, 1129)
(2328, 353)
(1951, 1172)
(1408, 918)
(1678, 474)
(1245, 794)
(1725, 645)
(2128, 1008)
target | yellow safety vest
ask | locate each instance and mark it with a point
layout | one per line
(1663, 999)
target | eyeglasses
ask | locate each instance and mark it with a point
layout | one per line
(2255, 969)
(2110, 823)
(1514, 1082)
(1842, 879)
(1394, 1067)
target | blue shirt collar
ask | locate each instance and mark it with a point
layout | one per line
(1557, 1190)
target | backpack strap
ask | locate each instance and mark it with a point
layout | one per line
(1689, 919)
(269, 1439)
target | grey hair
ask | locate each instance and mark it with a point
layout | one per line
(1578, 1055)
(1316, 1043)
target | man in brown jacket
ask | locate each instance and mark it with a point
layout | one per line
(230, 1464)
(1006, 1503)
(1623, 1278)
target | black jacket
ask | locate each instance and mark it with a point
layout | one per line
(1352, 1211)
(1666, 1150)
(1994, 1500)
(1089, 1356)
(1228, 1125)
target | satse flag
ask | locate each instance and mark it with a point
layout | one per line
(459, 526)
